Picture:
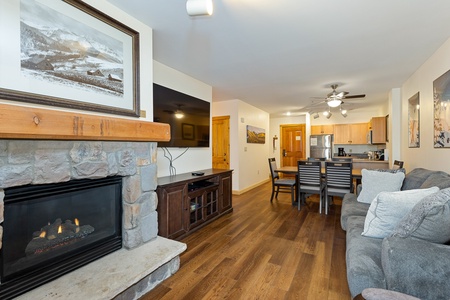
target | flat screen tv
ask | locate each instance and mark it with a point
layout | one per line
(192, 129)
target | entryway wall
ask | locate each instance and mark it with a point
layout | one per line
(249, 161)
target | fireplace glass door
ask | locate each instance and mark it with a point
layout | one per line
(55, 228)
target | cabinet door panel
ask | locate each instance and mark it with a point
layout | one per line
(225, 194)
(171, 213)
(342, 134)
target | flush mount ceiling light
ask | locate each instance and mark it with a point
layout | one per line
(199, 7)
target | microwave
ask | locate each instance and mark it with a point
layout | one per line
(369, 137)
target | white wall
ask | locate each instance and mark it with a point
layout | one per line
(195, 158)
(422, 81)
(249, 161)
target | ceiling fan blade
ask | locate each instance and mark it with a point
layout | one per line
(354, 96)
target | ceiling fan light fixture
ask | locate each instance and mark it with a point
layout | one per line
(334, 102)
(316, 115)
(199, 7)
(179, 114)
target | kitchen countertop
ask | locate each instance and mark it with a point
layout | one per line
(366, 160)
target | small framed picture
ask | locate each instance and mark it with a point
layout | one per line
(188, 131)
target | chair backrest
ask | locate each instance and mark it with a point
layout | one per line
(398, 164)
(309, 172)
(343, 159)
(316, 159)
(338, 174)
(273, 167)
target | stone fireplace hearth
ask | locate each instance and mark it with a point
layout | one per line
(145, 259)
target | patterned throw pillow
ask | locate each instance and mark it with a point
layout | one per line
(429, 219)
(388, 209)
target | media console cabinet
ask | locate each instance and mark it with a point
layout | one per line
(187, 202)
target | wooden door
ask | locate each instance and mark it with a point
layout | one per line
(293, 144)
(221, 142)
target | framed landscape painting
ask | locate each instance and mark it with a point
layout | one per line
(256, 135)
(69, 54)
(441, 100)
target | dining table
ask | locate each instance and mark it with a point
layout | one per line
(293, 170)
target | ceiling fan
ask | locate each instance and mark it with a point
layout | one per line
(335, 98)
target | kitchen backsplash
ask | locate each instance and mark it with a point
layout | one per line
(357, 150)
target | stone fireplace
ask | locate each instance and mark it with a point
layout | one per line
(145, 259)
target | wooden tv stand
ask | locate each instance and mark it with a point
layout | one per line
(187, 202)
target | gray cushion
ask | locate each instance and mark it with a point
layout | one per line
(374, 182)
(415, 178)
(429, 219)
(351, 207)
(388, 208)
(363, 258)
(439, 179)
(416, 267)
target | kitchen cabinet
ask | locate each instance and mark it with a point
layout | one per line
(350, 133)
(322, 129)
(187, 203)
(378, 127)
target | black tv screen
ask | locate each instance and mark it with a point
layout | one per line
(192, 129)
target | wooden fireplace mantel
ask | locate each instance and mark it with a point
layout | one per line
(20, 122)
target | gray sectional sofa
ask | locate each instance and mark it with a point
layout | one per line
(413, 259)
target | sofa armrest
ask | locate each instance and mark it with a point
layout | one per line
(416, 267)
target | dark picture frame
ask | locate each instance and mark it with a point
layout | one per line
(441, 110)
(188, 131)
(69, 54)
(414, 121)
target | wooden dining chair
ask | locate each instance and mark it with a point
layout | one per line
(280, 185)
(398, 164)
(309, 180)
(338, 181)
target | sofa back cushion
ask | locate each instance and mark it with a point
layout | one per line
(439, 179)
(415, 178)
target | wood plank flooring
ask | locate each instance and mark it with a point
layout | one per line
(263, 250)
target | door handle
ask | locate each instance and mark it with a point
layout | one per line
(284, 152)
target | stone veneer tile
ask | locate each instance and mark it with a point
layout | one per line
(111, 275)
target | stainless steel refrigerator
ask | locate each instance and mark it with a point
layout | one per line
(321, 146)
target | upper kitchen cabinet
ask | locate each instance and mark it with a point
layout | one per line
(350, 133)
(322, 129)
(378, 127)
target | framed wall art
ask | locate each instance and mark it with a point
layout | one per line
(256, 135)
(441, 101)
(414, 121)
(188, 131)
(69, 54)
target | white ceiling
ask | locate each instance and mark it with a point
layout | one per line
(277, 54)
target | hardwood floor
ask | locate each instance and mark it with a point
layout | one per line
(263, 250)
